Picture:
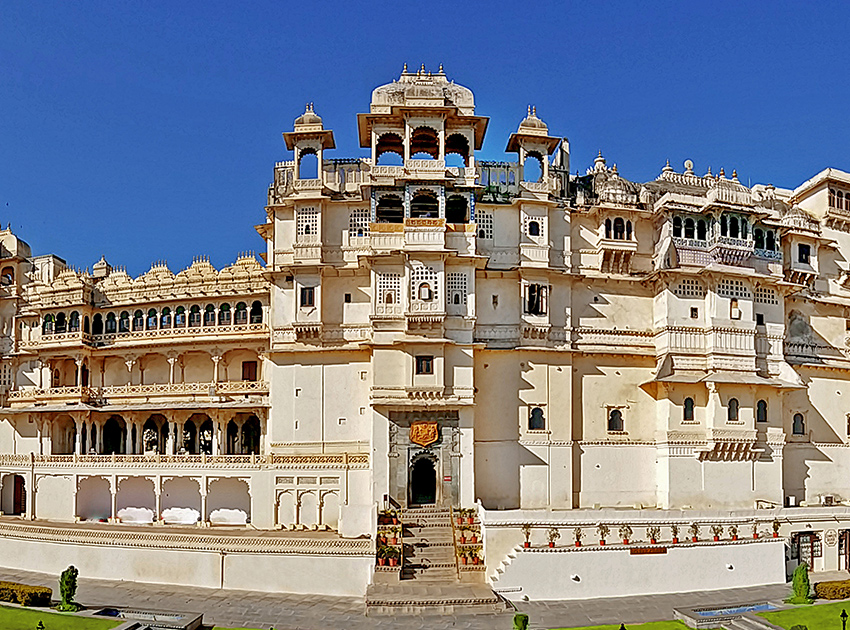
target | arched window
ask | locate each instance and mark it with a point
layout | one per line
(688, 415)
(138, 320)
(389, 150)
(224, 315)
(677, 227)
(690, 228)
(457, 209)
(615, 420)
(832, 198)
(124, 322)
(533, 228)
(424, 144)
(532, 168)
(165, 318)
(61, 323)
(389, 210)
(457, 144)
(733, 227)
(97, 324)
(758, 237)
(425, 293)
(770, 241)
(256, 312)
(152, 320)
(195, 316)
(619, 229)
(86, 324)
(536, 419)
(607, 228)
(761, 411)
(701, 230)
(241, 315)
(732, 410)
(180, 317)
(74, 322)
(308, 164)
(209, 315)
(389, 297)
(724, 226)
(111, 323)
(798, 427)
(47, 326)
(7, 278)
(424, 206)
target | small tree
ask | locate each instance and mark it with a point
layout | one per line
(68, 589)
(801, 586)
(520, 621)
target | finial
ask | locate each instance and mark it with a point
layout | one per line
(735, 174)
(440, 71)
(600, 153)
(422, 69)
(708, 172)
(667, 168)
(534, 110)
(404, 70)
(528, 113)
(722, 173)
(614, 168)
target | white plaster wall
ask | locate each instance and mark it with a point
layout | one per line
(614, 572)
(55, 498)
(618, 475)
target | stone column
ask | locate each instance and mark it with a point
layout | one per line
(216, 359)
(128, 439)
(171, 362)
(215, 437)
(79, 362)
(113, 491)
(169, 440)
(99, 446)
(78, 436)
(203, 520)
(157, 488)
(130, 363)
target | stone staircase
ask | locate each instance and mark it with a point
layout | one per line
(748, 622)
(430, 578)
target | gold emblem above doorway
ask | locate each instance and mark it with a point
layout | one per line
(424, 433)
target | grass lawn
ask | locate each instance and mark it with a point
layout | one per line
(652, 625)
(815, 617)
(28, 618)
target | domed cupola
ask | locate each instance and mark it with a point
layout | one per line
(308, 119)
(532, 140)
(308, 137)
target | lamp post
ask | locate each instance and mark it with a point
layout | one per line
(843, 616)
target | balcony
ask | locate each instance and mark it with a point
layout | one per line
(234, 331)
(301, 462)
(386, 236)
(308, 185)
(425, 169)
(59, 340)
(419, 396)
(126, 394)
(460, 237)
(425, 234)
(615, 255)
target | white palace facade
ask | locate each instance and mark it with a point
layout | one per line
(559, 352)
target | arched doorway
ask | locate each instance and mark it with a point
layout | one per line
(423, 482)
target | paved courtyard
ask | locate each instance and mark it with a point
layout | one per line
(311, 612)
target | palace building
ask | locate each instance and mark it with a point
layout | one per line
(568, 357)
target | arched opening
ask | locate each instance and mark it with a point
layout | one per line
(457, 147)
(97, 325)
(138, 320)
(48, 326)
(389, 150)
(256, 312)
(111, 323)
(770, 241)
(165, 318)
(536, 420)
(628, 230)
(734, 231)
(701, 230)
(14, 497)
(155, 434)
(798, 426)
(179, 317)
(224, 315)
(251, 436)
(64, 435)
(690, 228)
(94, 499)
(619, 229)
(423, 482)
(241, 314)
(61, 323)
(205, 437)
(86, 324)
(425, 292)
(308, 164)
(124, 322)
(688, 415)
(152, 320)
(136, 500)
(424, 206)
(761, 411)
(232, 437)
(732, 410)
(181, 501)
(677, 227)
(7, 277)
(114, 435)
(615, 420)
(424, 144)
(229, 502)
(534, 228)
(389, 209)
(532, 168)
(724, 226)
(758, 237)
(608, 228)
(457, 209)
(74, 322)
(209, 315)
(190, 437)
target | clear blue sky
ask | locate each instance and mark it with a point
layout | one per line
(148, 130)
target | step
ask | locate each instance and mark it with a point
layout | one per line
(416, 598)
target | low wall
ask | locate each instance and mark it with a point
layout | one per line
(622, 570)
(309, 570)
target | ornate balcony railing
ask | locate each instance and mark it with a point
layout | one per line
(154, 390)
(273, 460)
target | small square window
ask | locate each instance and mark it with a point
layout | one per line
(307, 296)
(347, 298)
(694, 312)
(425, 365)
(759, 319)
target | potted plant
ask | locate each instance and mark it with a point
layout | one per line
(476, 555)
(394, 517)
(674, 529)
(395, 532)
(382, 556)
(578, 534)
(653, 532)
(694, 531)
(386, 516)
(462, 533)
(470, 516)
(526, 531)
(717, 532)
(775, 528)
(603, 530)
(473, 537)
(733, 531)
(552, 534)
(462, 556)
(393, 555)
(755, 530)
(625, 533)
(460, 517)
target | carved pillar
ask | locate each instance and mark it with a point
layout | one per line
(169, 440)
(203, 520)
(171, 363)
(130, 363)
(216, 359)
(99, 446)
(128, 439)
(157, 488)
(38, 427)
(113, 491)
(79, 362)
(78, 436)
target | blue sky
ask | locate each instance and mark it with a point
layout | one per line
(147, 131)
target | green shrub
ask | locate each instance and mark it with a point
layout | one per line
(68, 589)
(801, 585)
(24, 594)
(838, 589)
(520, 621)
(799, 627)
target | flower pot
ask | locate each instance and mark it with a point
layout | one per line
(652, 541)
(463, 559)
(460, 520)
(476, 560)
(470, 520)
(755, 536)
(395, 520)
(393, 562)
(382, 562)
(776, 534)
(463, 540)
(526, 544)
(473, 539)
(551, 543)
(394, 541)
(716, 538)
(578, 543)
(625, 541)
(693, 538)
(734, 536)
(675, 539)
(602, 541)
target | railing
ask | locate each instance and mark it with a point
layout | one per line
(73, 393)
(308, 184)
(86, 394)
(331, 460)
(768, 254)
(425, 165)
(182, 331)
